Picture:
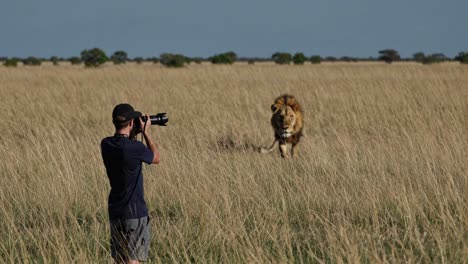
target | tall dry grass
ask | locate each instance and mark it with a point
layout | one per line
(382, 174)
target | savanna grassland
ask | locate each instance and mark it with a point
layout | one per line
(381, 177)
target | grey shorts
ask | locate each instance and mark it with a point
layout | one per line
(130, 239)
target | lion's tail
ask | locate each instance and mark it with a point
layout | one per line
(264, 151)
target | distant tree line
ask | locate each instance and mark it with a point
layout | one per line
(95, 57)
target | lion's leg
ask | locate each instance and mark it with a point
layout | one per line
(263, 150)
(294, 150)
(283, 150)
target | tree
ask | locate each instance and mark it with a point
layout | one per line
(281, 58)
(224, 58)
(32, 61)
(462, 57)
(119, 57)
(172, 60)
(419, 57)
(94, 57)
(389, 55)
(299, 58)
(315, 59)
(12, 62)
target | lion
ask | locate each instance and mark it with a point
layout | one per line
(287, 122)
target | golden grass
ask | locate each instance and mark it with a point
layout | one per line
(382, 174)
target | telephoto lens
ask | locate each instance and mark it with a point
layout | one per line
(159, 119)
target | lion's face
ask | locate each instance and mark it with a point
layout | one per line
(284, 121)
(287, 122)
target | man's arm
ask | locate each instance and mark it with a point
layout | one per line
(149, 142)
(153, 147)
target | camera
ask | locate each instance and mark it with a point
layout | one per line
(159, 119)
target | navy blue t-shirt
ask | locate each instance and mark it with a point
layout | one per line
(123, 160)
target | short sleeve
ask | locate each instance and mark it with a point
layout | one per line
(143, 153)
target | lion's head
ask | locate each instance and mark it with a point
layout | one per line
(287, 119)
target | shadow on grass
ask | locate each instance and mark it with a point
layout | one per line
(233, 144)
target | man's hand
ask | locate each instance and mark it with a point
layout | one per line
(149, 142)
(145, 126)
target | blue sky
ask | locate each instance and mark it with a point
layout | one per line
(250, 28)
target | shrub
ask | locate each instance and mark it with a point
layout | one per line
(434, 58)
(172, 60)
(54, 60)
(75, 60)
(138, 60)
(251, 61)
(32, 61)
(119, 57)
(224, 58)
(197, 60)
(299, 58)
(315, 59)
(419, 57)
(94, 57)
(12, 62)
(348, 59)
(188, 60)
(462, 57)
(154, 60)
(281, 58)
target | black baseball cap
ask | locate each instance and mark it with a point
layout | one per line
(123, 113)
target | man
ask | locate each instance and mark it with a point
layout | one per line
(123, 157)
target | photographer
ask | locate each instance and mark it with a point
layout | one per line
(123, 157)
